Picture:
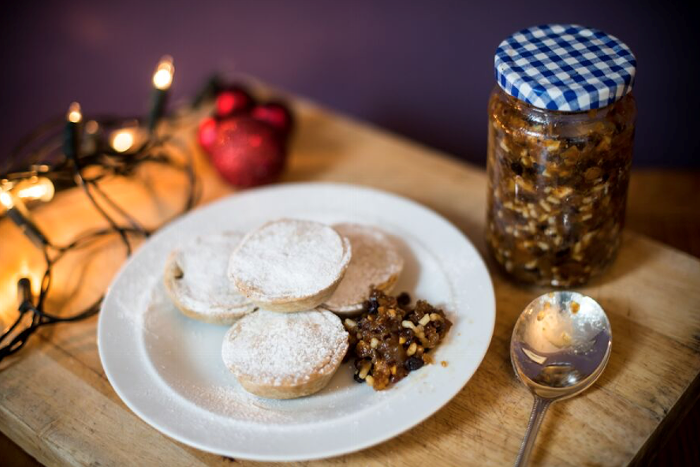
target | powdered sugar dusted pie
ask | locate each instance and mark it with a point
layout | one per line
(195, 278)
(290, 265)
(285, 355)
(376, 263)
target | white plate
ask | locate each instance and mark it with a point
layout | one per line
(168, 369)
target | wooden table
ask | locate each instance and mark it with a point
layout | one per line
(56, 403)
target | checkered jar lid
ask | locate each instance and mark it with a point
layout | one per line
(565, 67)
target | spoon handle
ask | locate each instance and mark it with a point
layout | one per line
(539, 408)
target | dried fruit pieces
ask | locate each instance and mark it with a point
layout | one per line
(389, 339)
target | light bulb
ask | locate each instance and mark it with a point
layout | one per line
(163, 76)
(123, 140)
(17, 211)
(92, 127)
(74, 115)
(34, 189)
(6, 199)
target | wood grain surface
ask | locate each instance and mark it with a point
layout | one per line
(56, 403)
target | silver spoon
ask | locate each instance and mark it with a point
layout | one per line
(560, 346)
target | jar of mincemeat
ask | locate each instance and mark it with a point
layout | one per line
(561, 128)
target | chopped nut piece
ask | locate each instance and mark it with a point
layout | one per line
(586, 239)
(424, 320)
(593, 173)
(364, 370)
(552, 145)
(411, 349)
(566, 338)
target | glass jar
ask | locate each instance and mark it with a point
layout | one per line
(557, 185)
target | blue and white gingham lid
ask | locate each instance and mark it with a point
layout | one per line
(565, 67)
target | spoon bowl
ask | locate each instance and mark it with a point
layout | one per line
(560, 346)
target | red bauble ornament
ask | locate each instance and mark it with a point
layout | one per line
(274, 113)
(248, 152)
(233, 100)
(246, 141)
(207, 134)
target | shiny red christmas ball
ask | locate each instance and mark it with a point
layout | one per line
(248, 152)
(232, 100)
(207, 133)
(274, 113)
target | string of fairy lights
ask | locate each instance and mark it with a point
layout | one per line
(75, 151)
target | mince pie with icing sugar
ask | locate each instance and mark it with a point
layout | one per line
(285, 355)
(195, 279)
(290, 265)
(375, 264)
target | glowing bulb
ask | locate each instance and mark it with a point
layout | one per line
(35, 189)
(123, 140)
(17, 211)
(6, 200)
(163, 77)
(32, 274)
(92, 127)
(74, 115)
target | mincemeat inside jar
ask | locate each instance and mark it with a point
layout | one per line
(559, 154)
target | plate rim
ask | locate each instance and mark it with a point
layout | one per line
(320, 453)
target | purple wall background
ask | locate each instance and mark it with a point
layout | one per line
(422, 69)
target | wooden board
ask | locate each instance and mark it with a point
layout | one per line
(56, 403)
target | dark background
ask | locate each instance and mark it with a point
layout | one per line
(420, 68)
